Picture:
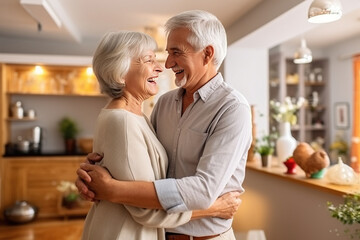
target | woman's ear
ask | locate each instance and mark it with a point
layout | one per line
(208, 54)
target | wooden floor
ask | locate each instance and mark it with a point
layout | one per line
(70, 229)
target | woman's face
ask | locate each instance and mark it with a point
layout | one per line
(140, 81)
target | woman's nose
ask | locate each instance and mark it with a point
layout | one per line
(158, 67)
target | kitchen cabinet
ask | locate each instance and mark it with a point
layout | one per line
(35, 179)
(52, 91)
(302, 80)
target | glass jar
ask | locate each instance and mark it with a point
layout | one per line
(17, 111)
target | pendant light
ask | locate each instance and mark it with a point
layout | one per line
(303, 54)
(324, 11)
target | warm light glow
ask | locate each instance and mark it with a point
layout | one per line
(303, 54)
(89, 71)
(324, 11)
(39, 70)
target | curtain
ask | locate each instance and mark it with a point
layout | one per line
(355, 143)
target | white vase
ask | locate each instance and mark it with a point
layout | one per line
(286, 143)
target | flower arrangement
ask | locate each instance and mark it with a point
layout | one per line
(69, 192)
(286, 111)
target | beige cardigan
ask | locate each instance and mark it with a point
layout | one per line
(131, 152)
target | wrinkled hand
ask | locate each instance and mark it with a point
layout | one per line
(84, 177)
(227, 205)
(100, 181)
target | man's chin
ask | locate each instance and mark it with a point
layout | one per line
(181, 82)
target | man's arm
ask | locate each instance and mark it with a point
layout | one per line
(101, 186)
(127, 192)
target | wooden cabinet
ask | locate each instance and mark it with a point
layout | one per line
(51, 80)
(59, 81)
(302, 80)
(43, 88)
(35, 179)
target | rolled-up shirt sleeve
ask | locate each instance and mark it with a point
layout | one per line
(169, 196)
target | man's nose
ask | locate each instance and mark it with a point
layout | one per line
(169, 63)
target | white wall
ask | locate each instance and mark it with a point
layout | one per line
(247, 71)
(50, 110)
(342, 79)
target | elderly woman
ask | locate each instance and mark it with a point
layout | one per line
(126, 68)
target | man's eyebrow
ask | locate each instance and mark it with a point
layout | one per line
(173, 49)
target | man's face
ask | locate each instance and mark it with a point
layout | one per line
(187, 64)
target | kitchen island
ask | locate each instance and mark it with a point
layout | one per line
(290, 206)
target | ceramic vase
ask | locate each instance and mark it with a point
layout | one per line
(290, 165)
(266, 160)
(286, 143)
(70, 146)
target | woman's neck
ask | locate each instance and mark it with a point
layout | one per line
(126, 102)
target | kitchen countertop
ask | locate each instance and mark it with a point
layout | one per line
(44, 154)
(279, 171)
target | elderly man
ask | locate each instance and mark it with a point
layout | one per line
(204, 126)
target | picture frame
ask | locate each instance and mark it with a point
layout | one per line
(342, 115)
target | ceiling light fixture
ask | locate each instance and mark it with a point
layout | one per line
(42, 12)
(303, 54)
(324, 11)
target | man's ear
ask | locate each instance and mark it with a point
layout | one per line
(208, 54)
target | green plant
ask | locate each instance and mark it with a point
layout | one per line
(70, 194)
(68, 128)
(265, 145)
(348, 213)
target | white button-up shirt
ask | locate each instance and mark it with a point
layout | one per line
(207, 149)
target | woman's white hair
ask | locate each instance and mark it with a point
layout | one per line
(112, 58)
(205, 29)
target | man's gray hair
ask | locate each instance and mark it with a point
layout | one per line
(112, 58)
(205, 28)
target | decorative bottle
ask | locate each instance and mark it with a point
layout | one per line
(286, 143)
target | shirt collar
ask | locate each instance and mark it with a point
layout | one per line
(205, 91)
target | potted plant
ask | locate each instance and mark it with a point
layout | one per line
(69, 130)
(348, 213)
(265, 147)
(70, 195)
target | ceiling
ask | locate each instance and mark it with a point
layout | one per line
(288, 28)
(83, 20)
(324, 35)
(86, 21)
